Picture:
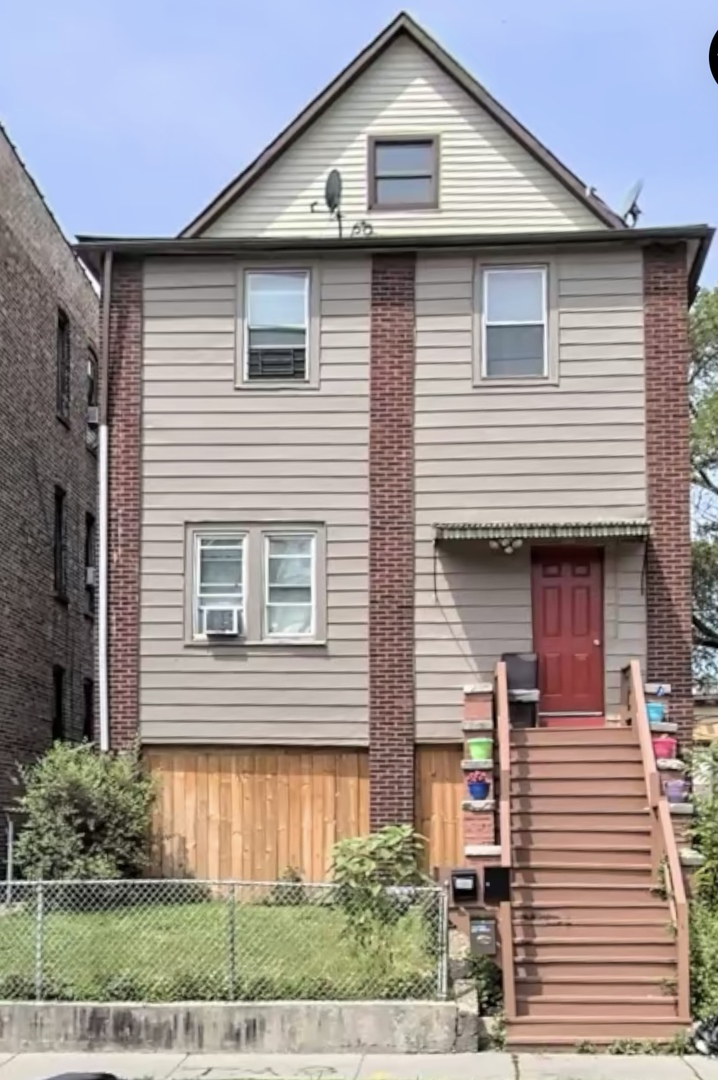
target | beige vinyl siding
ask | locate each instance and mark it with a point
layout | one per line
(482, 608)
(213, 453)
(487, 182)
(572, 451)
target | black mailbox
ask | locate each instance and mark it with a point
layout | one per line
(497, 884)
(464, 886)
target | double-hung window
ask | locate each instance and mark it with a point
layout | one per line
(259, 583)
(276, 325)
(289, 585)
(514, 329)
(403, 173)
(219, 584)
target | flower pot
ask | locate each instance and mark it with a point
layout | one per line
(479, 790)
(664, 746)
(676, 791)
(481, 749)
(656, 711)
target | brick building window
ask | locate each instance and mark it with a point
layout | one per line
(88, 709)
(90, 562)
(59, 545)
(58, 702)
(63, 367)
(91, 433)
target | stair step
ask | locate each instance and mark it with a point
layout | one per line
(594, 893)
(578, 966)
(544, 1034)
(580, 788)
(635, 839)
(584, 772)
(581, 984)
(566, 929)
(645, 907)
(577, 755)
(608, 821)
(594, 949)
(551, 850)
(566, 1007)
(589, 874)
(550, 803)
(605, 736)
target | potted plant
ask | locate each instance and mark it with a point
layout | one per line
(478, 784)
(481, 749)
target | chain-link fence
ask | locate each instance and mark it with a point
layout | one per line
(220, 941)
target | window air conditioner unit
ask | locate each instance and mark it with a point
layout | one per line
(93, 415)
(221, 621)
(90, 577)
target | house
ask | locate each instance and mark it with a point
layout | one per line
(405, 397)
(48, 468)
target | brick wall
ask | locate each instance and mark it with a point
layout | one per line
(668, 584)
(391, 542)
(38, 274)
(124, 500)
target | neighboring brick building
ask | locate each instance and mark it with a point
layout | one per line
(48, 339)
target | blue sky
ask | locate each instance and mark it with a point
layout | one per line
(132, 114)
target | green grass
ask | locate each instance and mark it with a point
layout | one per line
(211, 951)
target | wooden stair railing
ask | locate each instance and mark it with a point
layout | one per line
(663, 837)
(501, 698)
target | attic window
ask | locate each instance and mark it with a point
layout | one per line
(403, 173)
(277, 305)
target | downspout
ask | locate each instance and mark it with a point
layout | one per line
(103, 448)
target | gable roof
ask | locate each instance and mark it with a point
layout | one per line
(404, 25)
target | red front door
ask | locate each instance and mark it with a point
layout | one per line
(567, 600)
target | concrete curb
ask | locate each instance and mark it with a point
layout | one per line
(416, 1027)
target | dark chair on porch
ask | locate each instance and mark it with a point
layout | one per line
(522, 683)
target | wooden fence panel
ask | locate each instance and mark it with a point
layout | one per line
(439, 791)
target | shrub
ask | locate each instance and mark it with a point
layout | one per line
(86, 815)
(375, 874)
(704, 830)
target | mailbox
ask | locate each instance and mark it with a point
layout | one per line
(497, 884)
(482, 937)
(464, 887)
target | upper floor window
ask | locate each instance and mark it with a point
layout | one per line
(59, 545)
(403, 173)
(58, 703)
(91, 434)
(219, 585)
(276, 305)
(289, 584)
(62, 367)
(514, 322)
(90, 562)
(88, 709)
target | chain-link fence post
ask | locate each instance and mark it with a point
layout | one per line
(232, 951)
(443, 964)
(39, 928)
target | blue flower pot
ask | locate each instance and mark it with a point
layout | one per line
(480, 790)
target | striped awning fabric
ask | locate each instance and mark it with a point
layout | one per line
(629, 529)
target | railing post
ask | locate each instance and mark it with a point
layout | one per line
(443, 966)
(39, 929)
(232, 902)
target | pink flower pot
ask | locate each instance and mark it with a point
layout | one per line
(664, 746)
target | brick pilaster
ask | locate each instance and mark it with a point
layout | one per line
(668, 579)
(391, 542)
(124, 500)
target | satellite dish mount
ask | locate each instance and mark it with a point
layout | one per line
(631, 211)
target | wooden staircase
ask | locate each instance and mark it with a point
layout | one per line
(594, 950)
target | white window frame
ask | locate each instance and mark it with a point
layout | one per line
(281, 534)
(486, 273)
(295, 271)
(198, 631)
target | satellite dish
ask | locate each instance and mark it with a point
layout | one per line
(631, 210)
(333, 191)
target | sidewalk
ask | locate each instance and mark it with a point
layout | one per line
(489, 1066)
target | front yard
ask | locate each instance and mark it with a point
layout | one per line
(211, 949)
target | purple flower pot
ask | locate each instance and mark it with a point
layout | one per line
(479, 790)
(676, 791)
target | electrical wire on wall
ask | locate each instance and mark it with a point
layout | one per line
(470, 662)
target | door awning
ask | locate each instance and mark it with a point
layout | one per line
(627, 529)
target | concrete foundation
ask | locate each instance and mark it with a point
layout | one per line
(329, 1027)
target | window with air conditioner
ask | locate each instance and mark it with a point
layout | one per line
(219, 585)
(259, 584)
